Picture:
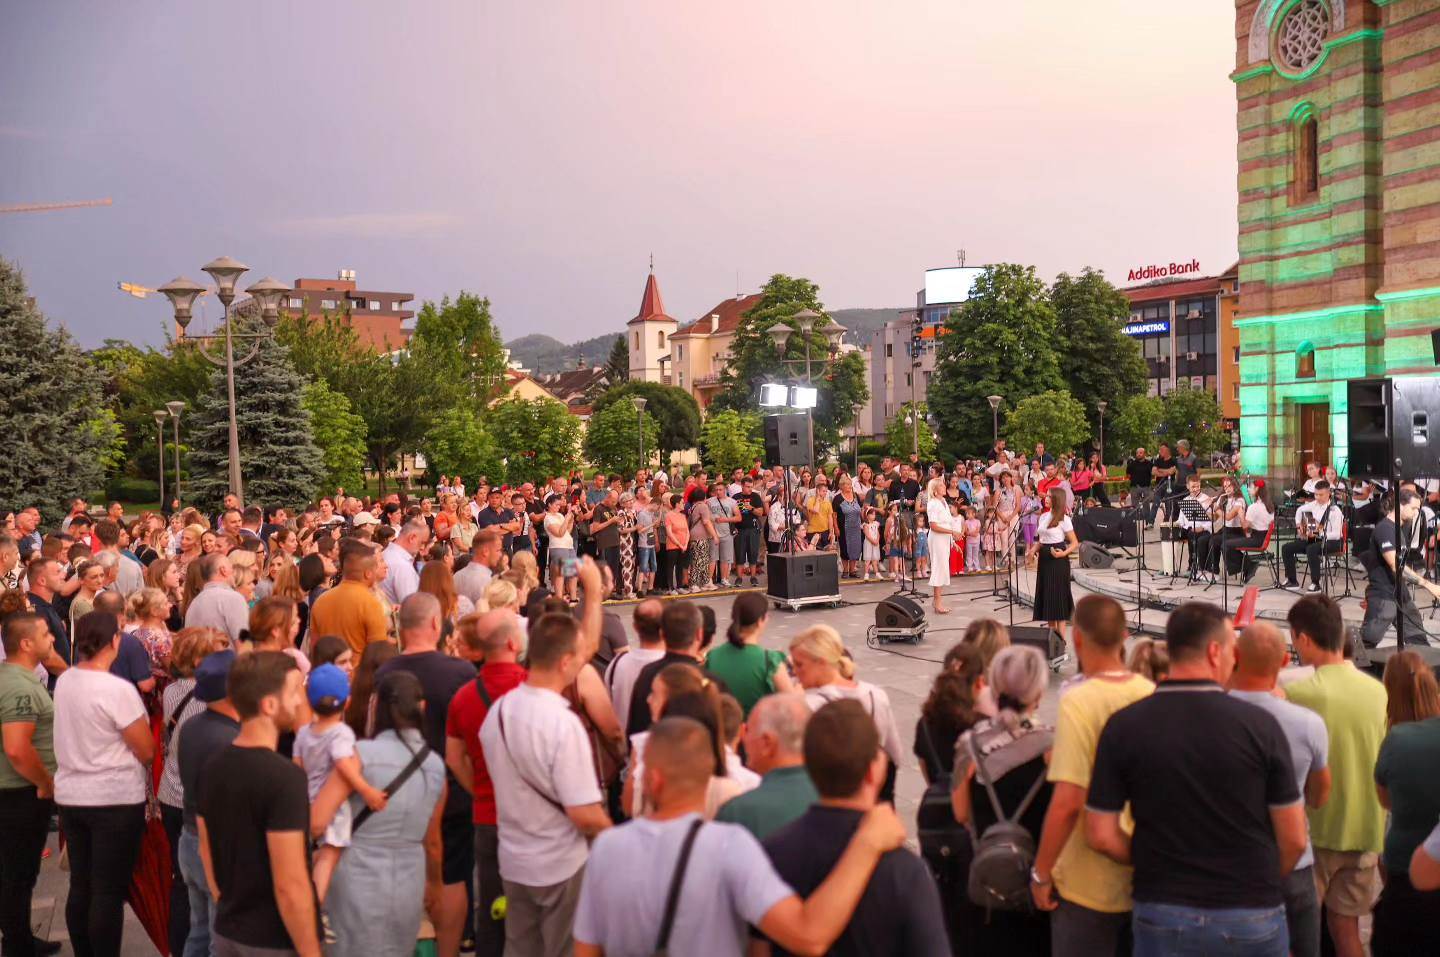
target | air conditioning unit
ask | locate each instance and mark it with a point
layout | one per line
(1192, 356)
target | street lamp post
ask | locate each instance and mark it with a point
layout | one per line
(176, 407)
(994, 401)
(160, 416)
(1101, 405)
(182, 293)
(640, 403)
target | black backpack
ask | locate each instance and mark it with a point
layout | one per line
(945, 843)
(1005, 852)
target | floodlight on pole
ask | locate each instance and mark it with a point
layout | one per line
(804, 397)
(774, 395)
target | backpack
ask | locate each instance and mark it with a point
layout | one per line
(1005, 852)
(944, 842)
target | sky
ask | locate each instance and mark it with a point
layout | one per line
(539, 153)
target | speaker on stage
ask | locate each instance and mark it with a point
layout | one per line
(1106, 526)
(899, 611)
(803, 577)
(788, 439)
(1093, 556)
(1040, 637)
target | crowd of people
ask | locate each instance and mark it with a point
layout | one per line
(373, 720)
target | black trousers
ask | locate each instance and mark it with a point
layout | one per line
(174, 819)
(1200, 548)
(1313, 550)
(1380, 613)
(24, 825)
(611, 557)
(1233, 558)
(1405, 919)
(103, 843)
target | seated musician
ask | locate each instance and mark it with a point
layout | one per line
(1194, 518)
(1229, 508)
(1319, 526)
(1313, 476)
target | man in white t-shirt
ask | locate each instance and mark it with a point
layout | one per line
(727, 882)
(625, 668)
(546, 798)
(401, 578)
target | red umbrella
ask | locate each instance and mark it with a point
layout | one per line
(149, 894)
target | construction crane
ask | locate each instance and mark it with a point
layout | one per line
(46, 207)
(141, 292)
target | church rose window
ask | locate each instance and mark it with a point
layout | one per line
(1301, 37)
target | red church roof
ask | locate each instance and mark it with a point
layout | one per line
(652, 309)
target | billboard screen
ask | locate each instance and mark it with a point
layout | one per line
(950, 284)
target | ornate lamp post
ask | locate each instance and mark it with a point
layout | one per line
(640, 402)
(266, 293)
(160, 416)
(175, 408)
(994, 401)
(1102, 405)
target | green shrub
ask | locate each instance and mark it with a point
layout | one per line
(127, 489)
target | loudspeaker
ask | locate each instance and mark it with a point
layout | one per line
(1106, 526)
(1435, 345)
(1368, 427)
(788, 439)
(898, 611)
(1093, 556)
(1391, 419)
(1417, 413)
(1378, 657)
(1040, 637)
(802, 575)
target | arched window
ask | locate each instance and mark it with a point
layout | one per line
(1305, 361)
(1305, 166)
(662, 338)
(637, 341)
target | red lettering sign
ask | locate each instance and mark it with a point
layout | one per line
(1163, 272)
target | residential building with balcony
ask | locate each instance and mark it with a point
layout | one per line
(378, 318)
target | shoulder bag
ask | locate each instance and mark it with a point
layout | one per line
(417, 759)
(672, 897)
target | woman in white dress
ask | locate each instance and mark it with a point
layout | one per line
(937, 512)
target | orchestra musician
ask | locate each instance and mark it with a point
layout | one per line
(1254, 523)
(1193, 517)
(1312, 477)
(1319, 530)
(1229, 516)
(1382, 565)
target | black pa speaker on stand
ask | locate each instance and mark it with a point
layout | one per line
(788, 439)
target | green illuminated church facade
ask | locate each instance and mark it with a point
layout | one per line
(1338, 111)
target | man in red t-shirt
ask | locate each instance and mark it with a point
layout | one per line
(498, 637)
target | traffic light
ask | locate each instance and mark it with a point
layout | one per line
(916, 342)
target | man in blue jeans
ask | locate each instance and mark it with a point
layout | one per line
(1218, 815)
(201, 738)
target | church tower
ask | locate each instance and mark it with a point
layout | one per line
(649, 334)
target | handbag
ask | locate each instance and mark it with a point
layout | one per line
(607, 761)
(672, 897)
(945, 843)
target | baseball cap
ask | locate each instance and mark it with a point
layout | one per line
(327, 682)
(365, 518)
(211, 675)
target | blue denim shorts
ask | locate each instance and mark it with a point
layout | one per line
(558, 557)
(644, 560)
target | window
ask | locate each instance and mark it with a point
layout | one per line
(909, 380)
(375, 304)
(297, 303)
(1305, 174)
(927, 375)
(1305, 361)
(889, 349)
(637, 342)
(395, 305)
(679, 352)
(662, 338)
(1235, 391)
(327, 303)
(680, 379)
(1236, 355)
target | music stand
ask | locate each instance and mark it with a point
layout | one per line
(1196, 514)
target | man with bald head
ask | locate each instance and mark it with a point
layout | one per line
(497, 639)
(625, 668)
(774, 749)
(1260, 653)
(441, 676)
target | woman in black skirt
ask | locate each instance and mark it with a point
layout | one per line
(1055, 542)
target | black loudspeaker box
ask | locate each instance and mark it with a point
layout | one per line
(1094, 556)
(803, 575)
(899, 611)
(1040, 637)
(788, 439)
(1377, 658)
(1368, 427)
(1417, 425)
(1107, 526)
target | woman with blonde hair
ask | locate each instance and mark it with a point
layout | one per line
(462, 533)
(826, 671)
(148, 611)
(166, 575)
(501, 593)
(243, 579)
(524, 561)
(524, 583)
(274, 623)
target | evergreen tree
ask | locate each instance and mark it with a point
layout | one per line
(1099, 361)
(1002, 341)
(617, 367)
(280, 463)
(50, 407)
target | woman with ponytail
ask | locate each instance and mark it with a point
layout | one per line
(375, 901)
(1013, 749)
(826, 671)
(749, 671)
(274, 625)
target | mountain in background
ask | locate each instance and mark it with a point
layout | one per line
(543, 354)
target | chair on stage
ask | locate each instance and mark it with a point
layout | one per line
(1336, 562)
(1262, 553)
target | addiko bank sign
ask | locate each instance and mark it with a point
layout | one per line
(1164, 272)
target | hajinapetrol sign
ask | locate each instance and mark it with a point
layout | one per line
(1147, 328)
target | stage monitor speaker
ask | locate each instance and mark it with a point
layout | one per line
(802, 575)
(1095, 556)
(788, 439)
(1106, 526)
(1040, 637)
(899, 611)
(1379, 657)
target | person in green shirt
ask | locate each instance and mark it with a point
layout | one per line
(27, 776)
(774, 748)
(749, 671)
(1348, 830)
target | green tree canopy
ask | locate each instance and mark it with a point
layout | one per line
(1137, 425)
(457, 344)
(135, 383)
(730, 440)
(901, 435)
(280, 463)
(1193, 414)
(340, 435)
(49, 400)
(1054, 417)
(1002, 341)
(459, 443)
(1098, 360)
(613, 434)
(674, 410)
(539, 437)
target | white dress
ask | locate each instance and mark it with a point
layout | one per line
(937, 512)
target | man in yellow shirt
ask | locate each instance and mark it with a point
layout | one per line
(1088, 893)
(351, 609)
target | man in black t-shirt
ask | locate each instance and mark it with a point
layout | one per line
(899, 912)
(1381, 603)
(1218, 814)
(747, 533)
(254, 818)
(683, 631)
(1139, 471)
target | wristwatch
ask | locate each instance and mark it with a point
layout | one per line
(1035, 879)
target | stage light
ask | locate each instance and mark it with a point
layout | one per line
(804, 397)
(773, 395)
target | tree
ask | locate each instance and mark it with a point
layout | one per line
(395, 398)
(674, 410)
(135, 383)
(730, 440)
(459, 443)
(280, 462)
(1136, 425)
(617, 367)
(1098, 360)
(1054, 417)
(49, 397)
(612, 438)
(901, 433)
(1193, 414)
(339, 433)
(1001, 341)
(327, 349)
(458, 345)
(539, 437)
